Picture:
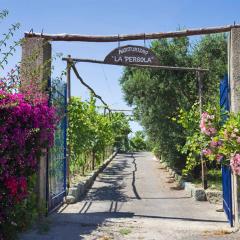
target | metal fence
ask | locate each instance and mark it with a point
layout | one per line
(56, 167)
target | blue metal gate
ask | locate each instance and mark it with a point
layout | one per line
(227, 192)
(56, 167)
(226, 170)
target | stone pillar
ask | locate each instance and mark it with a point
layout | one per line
(234, 80)
(36, 62)
(36, 67)
(234, 73)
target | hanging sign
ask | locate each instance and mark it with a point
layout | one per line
(131, 55)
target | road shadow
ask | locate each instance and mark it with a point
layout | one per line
(73, 226)
(109, 185)
(134, 178)
(76, 226)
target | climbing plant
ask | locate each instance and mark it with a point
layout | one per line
(198, 134)
(7, 43)
(91, 133)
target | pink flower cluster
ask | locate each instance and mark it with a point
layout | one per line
(219, 157)
(207, 128)
(206, 125)
(17, 187)
(235, 163)
(27, 126)
(215, 144)
(207, 152)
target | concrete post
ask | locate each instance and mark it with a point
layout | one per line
(234, 73)
(36, 66)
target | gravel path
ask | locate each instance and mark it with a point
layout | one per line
(132, 199)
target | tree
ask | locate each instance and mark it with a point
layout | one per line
(121, 129)
(138, 142)
(158, 95)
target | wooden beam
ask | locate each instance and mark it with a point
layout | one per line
(128, 37)
(87, 86)
(68, 72)
(116, 110)
(138, 65)
(121, 110)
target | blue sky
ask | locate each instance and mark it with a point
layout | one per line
(105, 17)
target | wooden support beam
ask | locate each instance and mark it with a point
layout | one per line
(68, 72)
(203, 161)
(87, 86)
(173, 68)
(128, 37)
(121, 110)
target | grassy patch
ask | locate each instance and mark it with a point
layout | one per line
(125, 231)
(221, 232)
(214, 178)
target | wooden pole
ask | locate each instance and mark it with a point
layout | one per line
(128, 37)
(68, 102)
(173, 68)
(203, 162)
(93, 160)
(69, 79)
(121, 110)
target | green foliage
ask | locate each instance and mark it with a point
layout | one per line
(189, 120)
(91, 133)
(214, 177)
(4, 13)
(138, 142)
(229, 135)
(7, 48)
(211, 53)
(157, 95)
(24, 214)
(27, 212)
(121, 129)
(195, 140)
(220, 144)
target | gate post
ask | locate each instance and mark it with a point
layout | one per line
(36, 66)
(234, 73)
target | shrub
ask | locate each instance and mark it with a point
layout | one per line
(26, 128)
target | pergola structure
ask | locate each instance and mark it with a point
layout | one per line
(41, 42)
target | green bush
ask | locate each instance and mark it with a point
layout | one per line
(138, 142)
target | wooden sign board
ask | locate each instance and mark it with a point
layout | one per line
(131, 55)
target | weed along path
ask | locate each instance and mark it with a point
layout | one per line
(132, 199)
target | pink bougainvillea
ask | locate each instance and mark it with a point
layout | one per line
(235, 163)
(27, 125)
(215, 144)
